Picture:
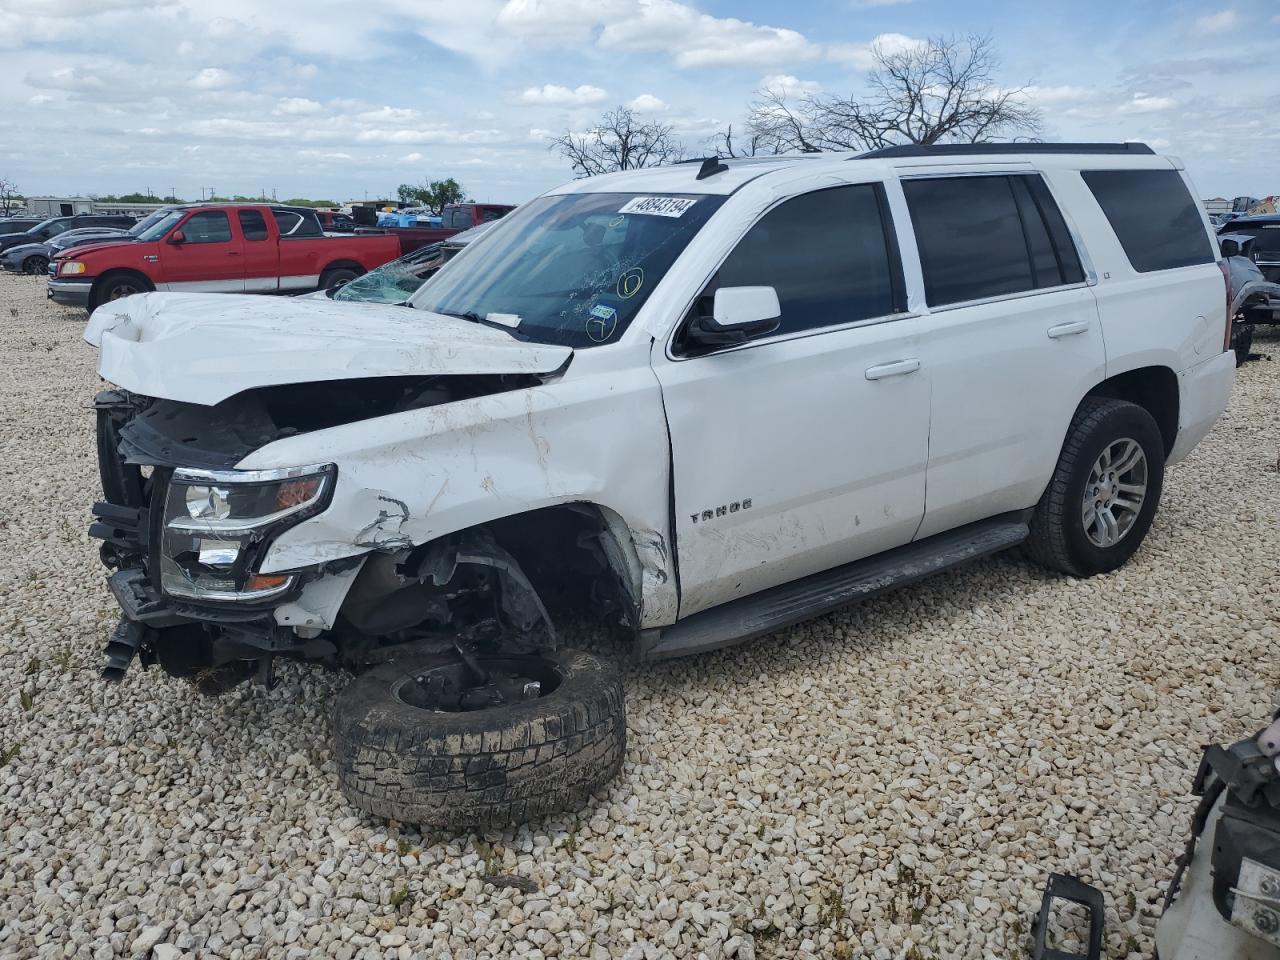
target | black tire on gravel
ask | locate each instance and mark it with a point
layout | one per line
(502, 765)
(1058, 539)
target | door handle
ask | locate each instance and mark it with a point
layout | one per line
(1068, 329)
(895, 369)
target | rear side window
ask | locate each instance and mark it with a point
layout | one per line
(829, 254)
(253, 225)
(1154, 217)
(983, 237)
(211, 226)
(296, 225)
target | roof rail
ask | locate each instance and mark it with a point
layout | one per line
(1000, 149)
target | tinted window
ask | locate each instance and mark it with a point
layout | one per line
(1154, 216)
(211, 226)
(985, 237)
(287, 222)
(826, 253)
(252, 225)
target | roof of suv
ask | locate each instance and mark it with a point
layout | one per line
(725, 175)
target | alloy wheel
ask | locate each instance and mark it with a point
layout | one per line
(1114, 492)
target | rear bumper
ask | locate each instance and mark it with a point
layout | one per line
(1203, 394)
(71, 293)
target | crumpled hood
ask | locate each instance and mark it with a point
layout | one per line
(203, 348)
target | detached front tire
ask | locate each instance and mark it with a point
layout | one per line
(453, 769)
(1104, 492)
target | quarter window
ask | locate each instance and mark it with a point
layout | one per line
(829, 254)
(1156, 220)
(983, 237)
(211, 226)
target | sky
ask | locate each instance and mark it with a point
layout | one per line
(343, 100)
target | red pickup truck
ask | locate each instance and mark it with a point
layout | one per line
(218, 248)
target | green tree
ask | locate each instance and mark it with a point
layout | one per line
(434, 195)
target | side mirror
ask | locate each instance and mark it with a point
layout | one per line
(739, 314)
(177, 237)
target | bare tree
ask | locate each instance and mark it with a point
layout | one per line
(754, 144)
(939, 91)
(9, 196)
(619, 141)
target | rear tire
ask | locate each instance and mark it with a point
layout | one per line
(336, 277)
(1097, 509)
(451, 769)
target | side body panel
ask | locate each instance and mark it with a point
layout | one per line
(598, 436)
(1170, 318)
(213, 267)
(788, 458)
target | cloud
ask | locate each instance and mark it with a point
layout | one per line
(647, 103)
(861, 56)
(1146, 103)
(788, 85)
(553, 95)
(1218, 22)
(701, 40)
(298, 106)
(1057, 95)
(212, 78)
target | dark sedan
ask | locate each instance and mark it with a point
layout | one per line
(34, 257)
(48, 229)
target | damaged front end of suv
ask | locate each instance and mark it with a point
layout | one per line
(221, 564)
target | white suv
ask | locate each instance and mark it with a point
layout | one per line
(701, 402)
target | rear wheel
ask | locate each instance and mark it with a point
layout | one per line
(1241, 340)
(507, 738)
(1104, 492)
(336, 277)
(35, 265)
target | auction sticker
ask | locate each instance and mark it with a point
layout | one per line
(658, 206)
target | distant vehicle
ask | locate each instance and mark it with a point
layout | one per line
(218, 248)
(332, 222)
(397, 281)
(48, 229)
(1254, 299)
(34, 257)
(454, 218)
(17, 224)
(1265, 229)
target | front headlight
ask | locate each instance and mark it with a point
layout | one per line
(70, 267)
(217, 525)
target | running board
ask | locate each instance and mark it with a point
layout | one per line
(821, 593)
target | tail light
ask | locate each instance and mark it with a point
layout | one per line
(1226, 282)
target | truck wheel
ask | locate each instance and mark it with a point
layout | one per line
(116, 286)
(35, 265)
(414, 742)
(336, 277)
(1104, 492)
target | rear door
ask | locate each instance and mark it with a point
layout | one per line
(261, 252)
(301, 249)
(210, 257)
(1012, 339)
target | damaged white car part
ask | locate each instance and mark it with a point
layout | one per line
(689, 405)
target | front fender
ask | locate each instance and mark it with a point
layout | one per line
(597, 436)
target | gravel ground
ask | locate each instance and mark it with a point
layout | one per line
(893, 781)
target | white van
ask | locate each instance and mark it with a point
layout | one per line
(703, 401)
